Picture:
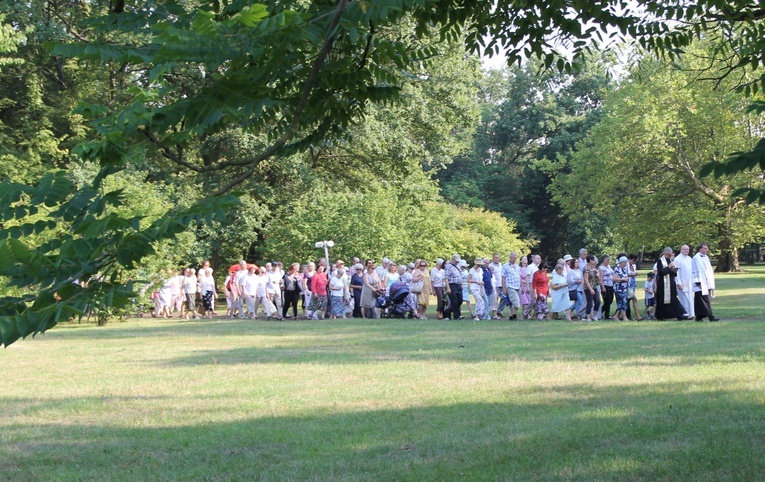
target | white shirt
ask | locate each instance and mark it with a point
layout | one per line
(201, 272)
(582, 264)
(250, 283)
(177, 284)
(496, 276)
(684, 264)
(239, 279)
(530, 270)
(262, 282)
(475, 274)
(437, 277)
(346, 286)
(274, 282)
(255, 285)
(207, 283)
(190, 285)
(703, 274)
(336, 286)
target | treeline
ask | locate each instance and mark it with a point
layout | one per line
(606, 157)
(122, 134)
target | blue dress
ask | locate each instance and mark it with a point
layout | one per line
(560, 300)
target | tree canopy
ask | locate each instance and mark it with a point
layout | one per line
(210, 96)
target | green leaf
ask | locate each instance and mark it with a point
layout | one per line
(251, 15)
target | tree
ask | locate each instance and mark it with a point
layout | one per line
(528, 116)
(294, 73)
(379, 221)
(638, 169)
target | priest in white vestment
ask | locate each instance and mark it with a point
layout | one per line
(684, 264)
(703, 284)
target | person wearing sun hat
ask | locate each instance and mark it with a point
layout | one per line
(621, 280)
(453, 286)
(476, 286)
(437, 284)
(566, 265)
(356, 285)
(465, 289)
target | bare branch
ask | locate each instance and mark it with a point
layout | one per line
(685, 165)
(168, 153)
(368, 46)
(307, 88)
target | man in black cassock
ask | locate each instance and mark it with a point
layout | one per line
(667, 303)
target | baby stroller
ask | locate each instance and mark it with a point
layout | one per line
(396, 304)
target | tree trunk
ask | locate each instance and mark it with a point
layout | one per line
(727, 262)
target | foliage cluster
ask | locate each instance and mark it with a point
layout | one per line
(283, 99)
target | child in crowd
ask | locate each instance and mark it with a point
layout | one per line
(541, 284)
(650, 301)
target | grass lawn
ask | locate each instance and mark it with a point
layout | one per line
(392, 399)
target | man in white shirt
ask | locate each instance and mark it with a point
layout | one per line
(274, 287)
(703, 278)
(239, 280)
(190, 290)
(530, 270)
(250, 290)
(511, 284)
(382, 270)
(684, 265)
(496, 284)
(346, 280)
(582, 260)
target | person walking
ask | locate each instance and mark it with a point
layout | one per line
(591, 283)
(356, 286)
(684, 280)
(475, 282)
(621, 281)
(291, 283)
(703, 284)
(607, 284)
(575, 281)
(561, 302)
(437, 283)
(371, 288)
(453, 286)
(667, 303)
(511, 286)
(422, 287)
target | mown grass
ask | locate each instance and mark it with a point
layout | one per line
(390, 400)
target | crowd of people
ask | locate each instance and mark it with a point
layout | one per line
(583, 288)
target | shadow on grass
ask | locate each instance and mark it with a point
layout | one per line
(575, 432)
(363, 341)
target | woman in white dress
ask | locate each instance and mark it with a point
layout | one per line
(207, 285)
(561, 303)
(475, 284)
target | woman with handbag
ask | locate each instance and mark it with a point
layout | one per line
(357, 285)
(421, 286)
(370, 290)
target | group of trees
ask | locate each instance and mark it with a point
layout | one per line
(610, 157)
(137, 136)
